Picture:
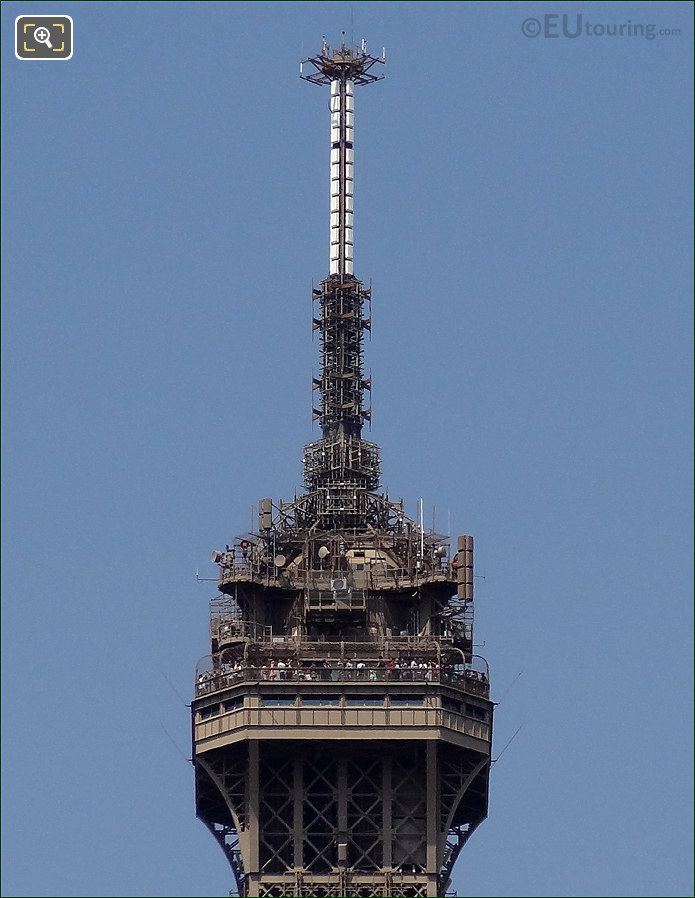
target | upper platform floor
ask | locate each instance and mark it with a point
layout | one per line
(347, 563)
(363, 574)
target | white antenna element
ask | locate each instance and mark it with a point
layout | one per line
(422, 530)
(342, 176)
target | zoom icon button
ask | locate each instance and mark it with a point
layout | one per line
(43, 37)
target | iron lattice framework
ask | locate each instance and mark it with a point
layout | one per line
(342, 724)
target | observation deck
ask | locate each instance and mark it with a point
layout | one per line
(353, 699)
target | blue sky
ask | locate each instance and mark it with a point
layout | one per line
(524, 212)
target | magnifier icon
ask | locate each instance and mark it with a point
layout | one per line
(43, 36)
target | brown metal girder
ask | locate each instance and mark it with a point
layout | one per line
(343, 733)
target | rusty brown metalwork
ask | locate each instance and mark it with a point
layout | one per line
(342, 724)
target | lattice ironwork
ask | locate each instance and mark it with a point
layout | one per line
(320, 811)
(385, 885)
(276, 814)
(365, 815)
(415, 890)
(277, 890)
(229, 772)
(373, 891)
(228, 841)
(409, 811)
(456, 838)
(221, 804)
(461, 775)
(454, 772)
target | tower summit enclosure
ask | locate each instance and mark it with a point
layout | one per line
(342, 724)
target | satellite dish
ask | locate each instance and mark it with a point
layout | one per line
(216, 556)
(323, 551)
(441, 551)
(279, 560)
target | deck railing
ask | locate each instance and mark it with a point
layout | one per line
(216, 679)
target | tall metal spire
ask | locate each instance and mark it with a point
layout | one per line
(342, 725)
(341, 464)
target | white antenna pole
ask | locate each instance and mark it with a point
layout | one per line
(422, 530)
(342, 175)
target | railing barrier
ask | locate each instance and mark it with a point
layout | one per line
(214, 679)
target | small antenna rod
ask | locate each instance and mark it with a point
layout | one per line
(519, 729)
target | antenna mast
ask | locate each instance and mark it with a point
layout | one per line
(342, 725)
(341, 467)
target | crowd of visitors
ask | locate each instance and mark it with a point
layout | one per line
(412, 669)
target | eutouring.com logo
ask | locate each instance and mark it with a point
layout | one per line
(554, 25)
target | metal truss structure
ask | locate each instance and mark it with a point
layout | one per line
(341, 723)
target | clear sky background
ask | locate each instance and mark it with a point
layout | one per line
(523, 208)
